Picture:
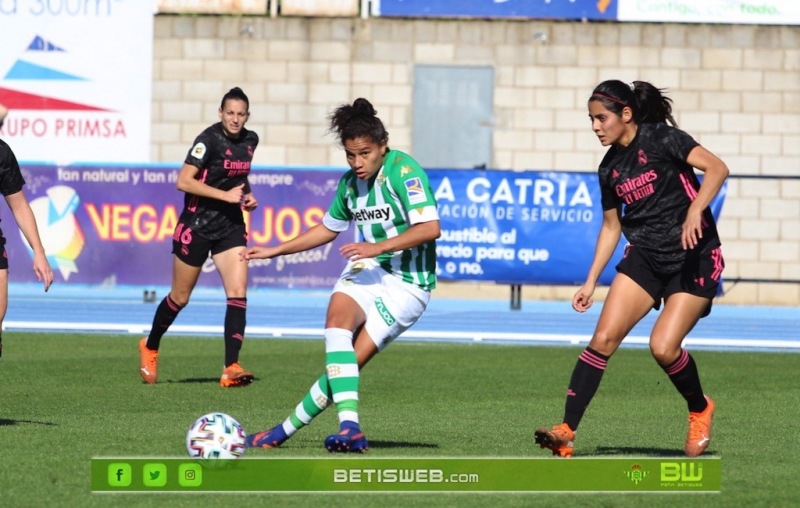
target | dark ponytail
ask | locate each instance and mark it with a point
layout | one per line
(236, 94)
(648, 103)
(358, 120)
(653, 105)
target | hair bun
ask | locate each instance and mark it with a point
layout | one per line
(363, 107)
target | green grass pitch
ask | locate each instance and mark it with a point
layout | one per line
(67, 397)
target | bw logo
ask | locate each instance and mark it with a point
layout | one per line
(334, 371)
(681, 472)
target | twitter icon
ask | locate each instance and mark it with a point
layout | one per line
(154, 475)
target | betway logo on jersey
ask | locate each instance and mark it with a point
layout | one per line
(637, 188)
(373, 214)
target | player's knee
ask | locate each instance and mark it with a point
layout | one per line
(237, 292)
(604, 342)
(663, 354)
(180, 299)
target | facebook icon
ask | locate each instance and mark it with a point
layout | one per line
(119, 474)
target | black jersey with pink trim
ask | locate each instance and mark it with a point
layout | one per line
(11, 180)
(653, 185)
(224, 163)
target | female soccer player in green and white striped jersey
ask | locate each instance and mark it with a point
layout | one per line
(386, 284)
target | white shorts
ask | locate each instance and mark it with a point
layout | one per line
(391, 305)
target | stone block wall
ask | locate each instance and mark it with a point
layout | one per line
(736, 89)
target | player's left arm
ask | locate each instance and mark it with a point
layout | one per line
(249, 201)
(417, 234)
(716, 171)
(414, 236)
(23, 214)
(415, 192)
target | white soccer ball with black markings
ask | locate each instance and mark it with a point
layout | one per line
(216, 436)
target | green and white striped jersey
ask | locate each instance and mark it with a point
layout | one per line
(399, 196)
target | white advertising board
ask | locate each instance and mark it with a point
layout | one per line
(334, 8)
(753, 12)
(76, 76)
(250, 7)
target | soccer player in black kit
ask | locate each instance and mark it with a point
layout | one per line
(11, 187)
(649, 193)
(214, 178)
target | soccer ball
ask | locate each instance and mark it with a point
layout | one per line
(216, 436)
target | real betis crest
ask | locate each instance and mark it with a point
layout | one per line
(636, 474)
(381, 179)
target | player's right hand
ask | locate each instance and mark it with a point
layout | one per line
(235, 195)
(582, 300)
(43, 271)
(257, 253)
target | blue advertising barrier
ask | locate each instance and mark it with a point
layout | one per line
(532, 227)
(529, 9)
(113, 225)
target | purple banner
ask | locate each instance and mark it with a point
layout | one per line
(104, 225)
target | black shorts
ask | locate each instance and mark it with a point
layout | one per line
(4, 257)
(700, 275)
(194, 249)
